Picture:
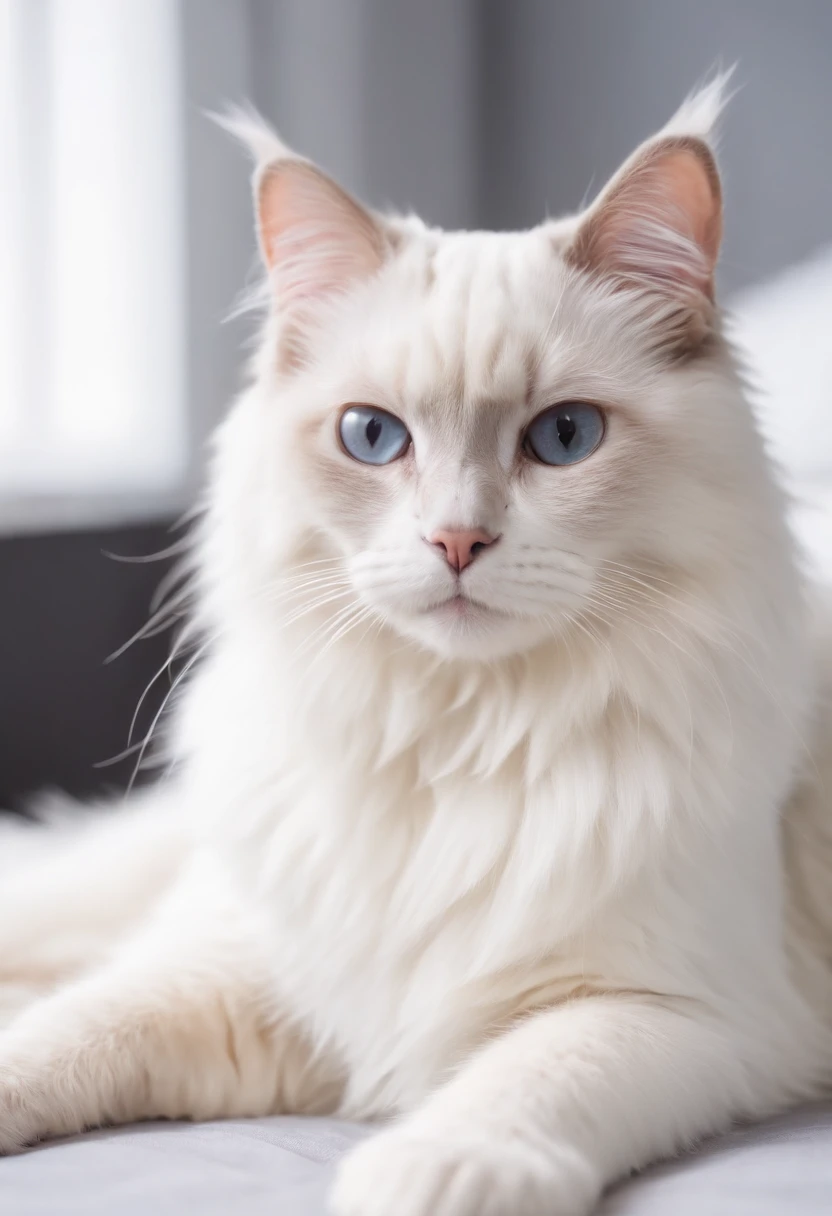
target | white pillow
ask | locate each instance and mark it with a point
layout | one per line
(783, 328)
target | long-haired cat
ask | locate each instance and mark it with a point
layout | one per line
(497, 792)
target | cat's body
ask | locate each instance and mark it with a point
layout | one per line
(549, 876)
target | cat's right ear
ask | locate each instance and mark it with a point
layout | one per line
(315, 239)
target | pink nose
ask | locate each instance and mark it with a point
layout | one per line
(460, 548)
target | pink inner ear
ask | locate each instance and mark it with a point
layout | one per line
(688, 189)
(315, 239)
(661, 222)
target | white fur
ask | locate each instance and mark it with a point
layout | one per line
(519, 876)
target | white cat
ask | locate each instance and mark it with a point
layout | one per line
(493, 804)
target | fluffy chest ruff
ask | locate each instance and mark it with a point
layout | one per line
(437, 849)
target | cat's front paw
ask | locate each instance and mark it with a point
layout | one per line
(405, 1173)
(18, 1123)
(34, 1105)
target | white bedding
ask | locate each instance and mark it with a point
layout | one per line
(283, 1167)
(784, 330)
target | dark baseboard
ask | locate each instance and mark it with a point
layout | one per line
(64, 607)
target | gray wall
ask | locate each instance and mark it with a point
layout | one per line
(383, 93)
(494, 112)
(573, 85)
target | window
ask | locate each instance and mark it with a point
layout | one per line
(93, 415)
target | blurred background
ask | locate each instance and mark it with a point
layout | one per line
(126, 238)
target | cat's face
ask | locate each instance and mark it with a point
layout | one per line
(485, 428)
(476, 449)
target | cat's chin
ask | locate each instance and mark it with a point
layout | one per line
(472, 631)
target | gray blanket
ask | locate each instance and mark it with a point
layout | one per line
(282, 1167)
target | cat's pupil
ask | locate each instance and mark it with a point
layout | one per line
(373, 431)
(566, 430)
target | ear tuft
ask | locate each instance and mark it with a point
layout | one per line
(698, 115)
(250, 129)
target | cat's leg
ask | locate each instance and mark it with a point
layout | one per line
(541, 1119)
(71, 886)
(182, 1023)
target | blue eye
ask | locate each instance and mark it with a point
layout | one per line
(565, 433)
(372, 436)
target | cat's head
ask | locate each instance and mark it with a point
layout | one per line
(477, 435)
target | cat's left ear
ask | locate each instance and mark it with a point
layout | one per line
(657, 227)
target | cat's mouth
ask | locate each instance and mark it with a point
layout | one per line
(462, 627)
(462, 607)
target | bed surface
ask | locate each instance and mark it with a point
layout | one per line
(282, 1167)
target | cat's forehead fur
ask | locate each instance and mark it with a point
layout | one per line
(459, 324)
